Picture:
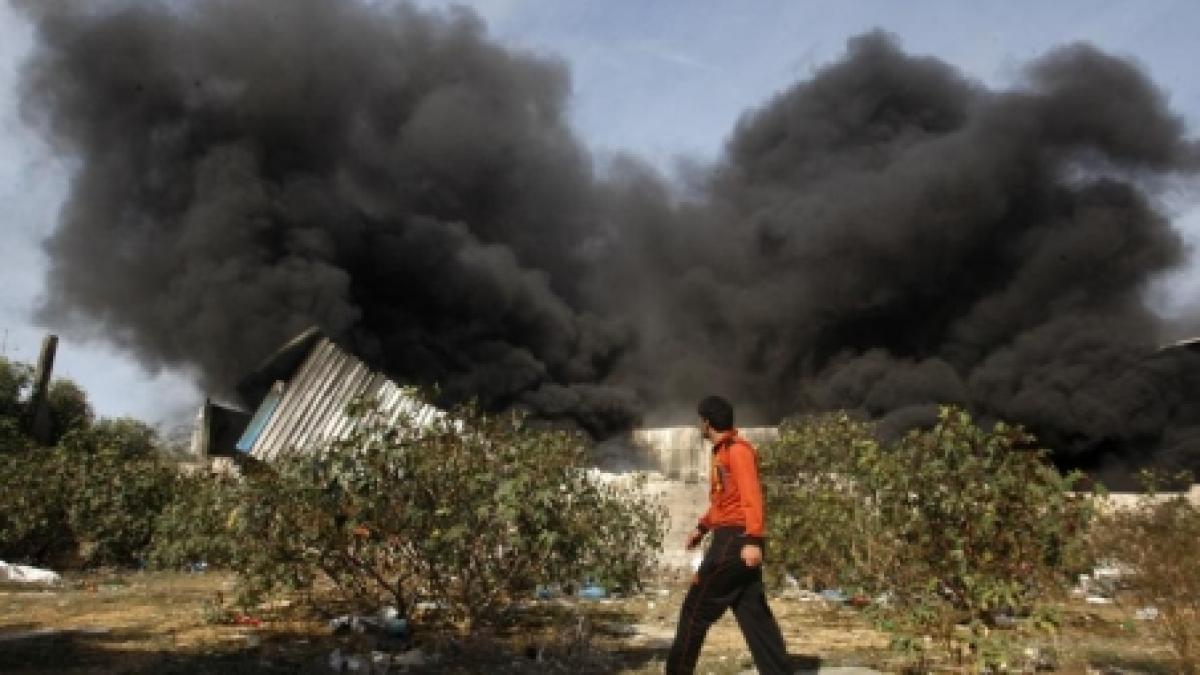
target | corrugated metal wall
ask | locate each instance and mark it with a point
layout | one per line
(310, 409)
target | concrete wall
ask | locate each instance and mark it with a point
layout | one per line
(676, 462)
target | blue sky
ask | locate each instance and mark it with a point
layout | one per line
(663, 80)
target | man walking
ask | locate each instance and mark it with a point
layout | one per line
(731, 574)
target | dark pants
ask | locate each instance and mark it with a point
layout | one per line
(723, 582)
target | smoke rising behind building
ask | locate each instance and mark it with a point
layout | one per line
(885, 235)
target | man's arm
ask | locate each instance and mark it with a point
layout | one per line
(702, 528)
(745, 473)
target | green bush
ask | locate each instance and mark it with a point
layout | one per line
(14, 381)
(470, 512)
(1158, 542)
(82, 503)
(951, 525)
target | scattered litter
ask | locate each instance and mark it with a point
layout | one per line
(198, 567)
(1042, 659)
(26, 574)
(803, 595)
(1103, 582)
(1146, 614)
(275, 604)
(1099, 600)
(413, 657)
(834, 595)
(1004, 620)
(655, 637)
(247, 620)
(392, 623)
(593, 592)
(619, 629)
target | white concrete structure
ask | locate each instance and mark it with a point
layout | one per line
(677, 462)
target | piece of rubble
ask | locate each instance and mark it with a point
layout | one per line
(26, 574)
(412, 657)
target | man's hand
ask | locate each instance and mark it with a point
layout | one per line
(752, 555)
(693, 539)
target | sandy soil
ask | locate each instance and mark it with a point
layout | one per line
(167, 623)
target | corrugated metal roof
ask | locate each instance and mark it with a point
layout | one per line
(1187, 343)
(309, 410)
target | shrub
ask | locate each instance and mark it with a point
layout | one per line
(14, 380)
(81, 503)
(1158, 541)
(469, 512)
(955, 523)
(824, 523)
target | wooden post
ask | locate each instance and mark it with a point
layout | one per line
(39, 411)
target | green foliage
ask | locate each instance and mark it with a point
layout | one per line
(69, 409)
(14, 381)
(954, 524)
(1158, 541)
(82, 503)
(125, 436)
(198, 525)
(469, 512)
(824, 523)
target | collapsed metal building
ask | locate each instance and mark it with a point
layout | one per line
(299, 400)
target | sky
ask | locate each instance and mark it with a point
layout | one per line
(666, 81)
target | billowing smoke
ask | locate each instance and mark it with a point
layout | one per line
(249, 169)
(884, 236)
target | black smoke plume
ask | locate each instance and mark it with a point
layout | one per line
(884, 236)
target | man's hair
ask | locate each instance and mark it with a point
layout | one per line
(717, 411)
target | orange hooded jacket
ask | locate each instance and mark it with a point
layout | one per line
(734, 493)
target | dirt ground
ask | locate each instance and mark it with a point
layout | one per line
(170, 623)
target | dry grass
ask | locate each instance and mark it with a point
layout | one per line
(163, 623)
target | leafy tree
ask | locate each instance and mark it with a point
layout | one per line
(1158, 541)
(952, 524)
(14, 381)
(125, 436)
(69, 408)
(86, 501)
(470, 512)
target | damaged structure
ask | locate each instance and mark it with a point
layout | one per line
(298, 399)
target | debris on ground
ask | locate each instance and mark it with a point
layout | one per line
(834, 595)
(1146, 614)
(27, 574)
(593, 592)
